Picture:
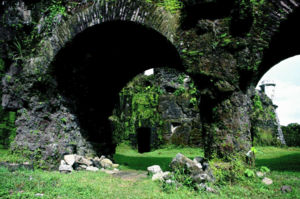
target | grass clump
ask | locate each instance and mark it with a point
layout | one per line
(283, 164)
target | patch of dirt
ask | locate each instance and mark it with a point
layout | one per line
(129, 175)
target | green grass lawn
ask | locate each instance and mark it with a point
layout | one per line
(162, 157)
(283, 163)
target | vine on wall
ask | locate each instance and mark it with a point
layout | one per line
(142, 101)
(7, 120)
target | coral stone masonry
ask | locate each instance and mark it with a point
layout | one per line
(63, 83)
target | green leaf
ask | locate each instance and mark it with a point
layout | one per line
(249, 172)
(254, 149)
(263, 168)
(223, 35)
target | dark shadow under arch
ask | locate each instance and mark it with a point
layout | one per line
(92, 69)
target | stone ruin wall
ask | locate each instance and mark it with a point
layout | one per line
(226, 101)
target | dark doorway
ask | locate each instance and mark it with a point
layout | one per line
(143, 139)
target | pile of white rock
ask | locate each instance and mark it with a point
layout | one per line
(78, 163)
(197, 169)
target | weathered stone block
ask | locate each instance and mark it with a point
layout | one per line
(154, 169)
(65, 168)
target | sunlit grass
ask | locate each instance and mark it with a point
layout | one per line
(283, 163)
(162, 157)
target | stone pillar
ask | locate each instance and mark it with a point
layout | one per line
(226, 124)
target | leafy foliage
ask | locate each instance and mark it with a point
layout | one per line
(249, 172)
(170, 5)
(264, 169)
(291, 134)
(54, 9)
(257, 103)
(7, 118)
(179, 91)
(142, 102)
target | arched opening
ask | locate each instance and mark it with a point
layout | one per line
(92, 68)
(143, 139)
(278, 91)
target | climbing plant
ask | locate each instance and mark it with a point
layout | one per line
(143, 102)
(7, 119)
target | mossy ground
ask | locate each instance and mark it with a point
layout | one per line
(283, 163)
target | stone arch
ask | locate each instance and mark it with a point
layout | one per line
(283, 45)
(137, 11)
(211, 71)
(68, 64)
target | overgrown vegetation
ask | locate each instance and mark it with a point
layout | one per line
(264, 135)
(138, 107)
(142, 102)
(7, 119)
(25, 184)
(291, 134)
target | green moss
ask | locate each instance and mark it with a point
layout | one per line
(143, 102)
(7, 120)
(2, 66)
(257, 103)
(263, 137)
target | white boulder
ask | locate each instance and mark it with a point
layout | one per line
(70, 159)
(259, 174)
(267, 181)
(159, 176)
(90, 168)
(62, 162)
(81, 160)
(154, 169)
(106, 163)
(65, 168)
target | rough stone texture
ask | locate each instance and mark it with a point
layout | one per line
(154, 169)
(264, 123)
(224, 71)
(170, 181)
(62, 162)
(106, 163)
(115, 165)
(181, 119)
(286, 189)
(267, 181)
(160, 176)
(65, 168)
(70, 159)
(177, 110)
(194, 169)
(259, 174)
(82, 160)
(90, 168)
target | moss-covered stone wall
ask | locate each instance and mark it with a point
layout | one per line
(7, 119)
(224, 46)
(159, 101)
(292, 134)
(264, 124)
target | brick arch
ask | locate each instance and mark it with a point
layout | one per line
(283, 40)
(278, 16)
(167, 24)
(150, 15)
